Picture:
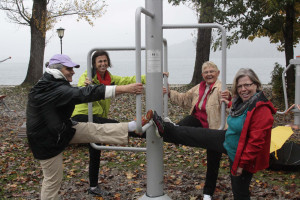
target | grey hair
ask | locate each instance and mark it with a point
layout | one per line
(242, 73)
(209, 64)
(56, 66)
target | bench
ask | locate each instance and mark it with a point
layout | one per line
(22, 131)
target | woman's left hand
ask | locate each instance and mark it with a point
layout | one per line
(239, 171)
(166, 74)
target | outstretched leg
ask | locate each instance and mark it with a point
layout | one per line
(210, 139)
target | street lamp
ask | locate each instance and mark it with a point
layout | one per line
(60, 32)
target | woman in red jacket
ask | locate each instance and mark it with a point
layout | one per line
(247, 139)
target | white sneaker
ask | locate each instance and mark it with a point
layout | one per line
(167, 119)
(207, 197)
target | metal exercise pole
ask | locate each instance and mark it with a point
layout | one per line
(90, 105)
(296, 62)
(224, 47)
(138, 61)
(165, 67)
(296, 109)
(154, 99)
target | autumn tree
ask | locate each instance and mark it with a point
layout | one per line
(276, 19)
(205, 10)
(248, 19)
(41, 16)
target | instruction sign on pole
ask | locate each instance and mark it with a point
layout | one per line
(153, 61)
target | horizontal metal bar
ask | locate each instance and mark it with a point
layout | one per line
(98, 147)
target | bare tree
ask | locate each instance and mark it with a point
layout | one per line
(41, 16)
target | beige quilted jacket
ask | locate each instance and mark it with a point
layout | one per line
(213, 104)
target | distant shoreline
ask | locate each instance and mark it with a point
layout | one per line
(171, 85)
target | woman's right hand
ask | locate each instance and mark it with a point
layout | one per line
(87, 81)
(133, 88)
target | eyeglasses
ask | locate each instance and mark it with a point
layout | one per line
(209, 72)
(246, 86)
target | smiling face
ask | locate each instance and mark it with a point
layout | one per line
(246, 88)
(68, 72)
(210, 75)
(101, 64)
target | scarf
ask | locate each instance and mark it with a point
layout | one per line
(239, 107)
(106, 80)
(56, 73)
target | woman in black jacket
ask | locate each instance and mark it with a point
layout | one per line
(49, 128)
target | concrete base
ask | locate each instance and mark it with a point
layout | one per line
(164, 197)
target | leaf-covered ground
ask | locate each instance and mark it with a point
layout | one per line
(124, 173)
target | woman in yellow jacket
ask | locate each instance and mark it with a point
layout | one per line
(205, 111)
(100, 74)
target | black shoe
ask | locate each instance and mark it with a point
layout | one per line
(159, 123)
(98, 192)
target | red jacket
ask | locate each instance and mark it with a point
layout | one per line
(254, 144)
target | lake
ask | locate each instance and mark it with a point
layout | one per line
(181, 69)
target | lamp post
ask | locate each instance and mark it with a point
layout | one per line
(60, 32)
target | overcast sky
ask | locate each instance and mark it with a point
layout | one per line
(115, 28)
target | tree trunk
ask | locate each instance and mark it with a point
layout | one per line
(203, 40)
(37, 48)
(288, 47)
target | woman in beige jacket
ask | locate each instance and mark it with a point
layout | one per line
(205, 111)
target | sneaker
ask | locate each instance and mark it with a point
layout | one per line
(147, 117)
(167, 119)
(98, 192)
(207, 197)
(159, 123)
(145, 120)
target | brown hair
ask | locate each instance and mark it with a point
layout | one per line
(100, 53)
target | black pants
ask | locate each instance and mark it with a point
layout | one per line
(240, 185)
(213, 158)
(94, 162)
(212, 140)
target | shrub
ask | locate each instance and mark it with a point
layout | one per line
(276, 82)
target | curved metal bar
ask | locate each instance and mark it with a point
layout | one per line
(224, 47)
(166, 85)
(284, 90)
(138, 62)
(98, 147)
(290, 108)
(89, 73)
(116, 148)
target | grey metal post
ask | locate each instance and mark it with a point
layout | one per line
(138, 62)
(296, 110)
(154, 99)
(165, 67)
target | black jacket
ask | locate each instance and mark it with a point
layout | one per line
(50, 105)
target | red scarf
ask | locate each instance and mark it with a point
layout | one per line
(106, 80)
(201, 114)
